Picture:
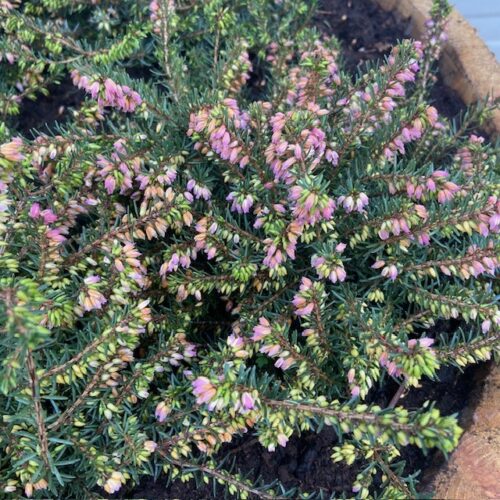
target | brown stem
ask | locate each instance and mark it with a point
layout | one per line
(79, 401)
(90, 347)
(341, 415)
(444, 354)
(393, 477)
(398, 394)
(225, 478)
(42, 431)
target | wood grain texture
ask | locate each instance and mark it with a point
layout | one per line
(473, 471)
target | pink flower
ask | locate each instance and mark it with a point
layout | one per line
(110, 184)
(485, 326)
(338, 274)
(114, 483)
(432, 114)
(92, 299)
(304, 310)
(282, 439)
(90, 280)
(55, 235)
(383, 234)
(424, 342)
(423, 238)
(12, 150)
(111, 90)
(203, 390)
(235, 341)
(361, 202)
(270, 349)
(390, 272)
(162, 411)
(284, 362)
(261, 330)
(150, 446)
(247, 401)
(332, 157)
(48, 216)
(34, 212)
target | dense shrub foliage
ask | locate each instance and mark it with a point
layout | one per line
(229, 235)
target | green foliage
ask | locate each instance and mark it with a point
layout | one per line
(229, 234)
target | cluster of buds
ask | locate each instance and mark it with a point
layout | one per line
(177, 257)
(417, 358)
(203, 240)
(108, 93)
(238, 344)
(309, 205)
(199, 191)
(273, 52)
(305, 85)
(118, 172)
(214, 136)
(207, 392)
(159, 176)
(330, 265)
(114, 482)
(374, 103)
(412, 131)
(45, 150)
(273, 343)
(91, 298)
(472, 155)
(285, 245)
(240, 202)
(403, 224)
(354, 202)
(424, 187)
(282, 153)
(237, 72)
(476, 262)
(308, 297)
(435, 34)
(155, 14)
(389, 270)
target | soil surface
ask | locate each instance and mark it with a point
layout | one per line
(42, 114)
(366, 33)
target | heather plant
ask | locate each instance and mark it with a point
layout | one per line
(230, 235)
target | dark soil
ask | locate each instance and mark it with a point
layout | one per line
(42, 114)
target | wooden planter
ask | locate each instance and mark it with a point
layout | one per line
(469, 68)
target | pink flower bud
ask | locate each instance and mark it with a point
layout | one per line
(34, 212)
(247, 401)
